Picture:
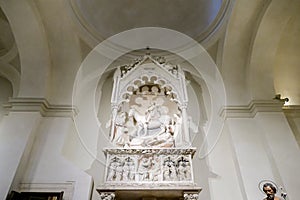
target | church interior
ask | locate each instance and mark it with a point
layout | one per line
(149, 100)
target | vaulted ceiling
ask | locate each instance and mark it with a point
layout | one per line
(196, 18)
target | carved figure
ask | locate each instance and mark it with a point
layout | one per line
(169, 170)
(151, 120)
(163, 139)
(144, 168)
(184, 170)
(115, 170)
(124, 138)
(128, 170)
(177, 121)
(140, 120)
(152, 113)
(148, 168)
(119, 126)
(131, 126)
(156, 169)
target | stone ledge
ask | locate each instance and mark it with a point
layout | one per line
(250, 110)
(292, 111)
(148, 186)
(40, 105)
(167, 192)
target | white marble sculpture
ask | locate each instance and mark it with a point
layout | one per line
(149, 99)
(149, 131)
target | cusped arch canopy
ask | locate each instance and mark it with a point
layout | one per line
(150, 71)
(149, 102)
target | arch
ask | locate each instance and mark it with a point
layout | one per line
(158, 38)
(6, 89)
(217, 23)
(264, 49)
(235, 58)
(12, 75)
(10, 53)
(31, 43)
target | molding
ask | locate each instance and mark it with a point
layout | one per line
(155, 151)
(292, 111)
(41, 105)
(10, 54)
(141, 187)
(67, 187)
(250, 110)
(218, 27)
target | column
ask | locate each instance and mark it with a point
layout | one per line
(185, 134)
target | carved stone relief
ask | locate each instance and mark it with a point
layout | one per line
(149, 105)
(149, 131)
(138, 166)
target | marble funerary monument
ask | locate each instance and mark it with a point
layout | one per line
(151, 154)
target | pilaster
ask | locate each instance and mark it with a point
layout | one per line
(264, 146)
(283, 151)
(17, 132)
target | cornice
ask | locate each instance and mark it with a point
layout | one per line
(292, 111)
(41, 105)
(250, 110)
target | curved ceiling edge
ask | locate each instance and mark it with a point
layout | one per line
(207, 37)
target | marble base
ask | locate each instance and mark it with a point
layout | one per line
(149, 174)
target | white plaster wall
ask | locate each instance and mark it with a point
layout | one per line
(294, 123)
(46, 163)
(240, 28)
(201, 168)
(251, 156)
(283, 151)
(104, 113)
(16, 134)
(224, 179)
(265, 149)
(64, 50)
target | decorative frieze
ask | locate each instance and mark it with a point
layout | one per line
(159, 151)
(149, 165)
